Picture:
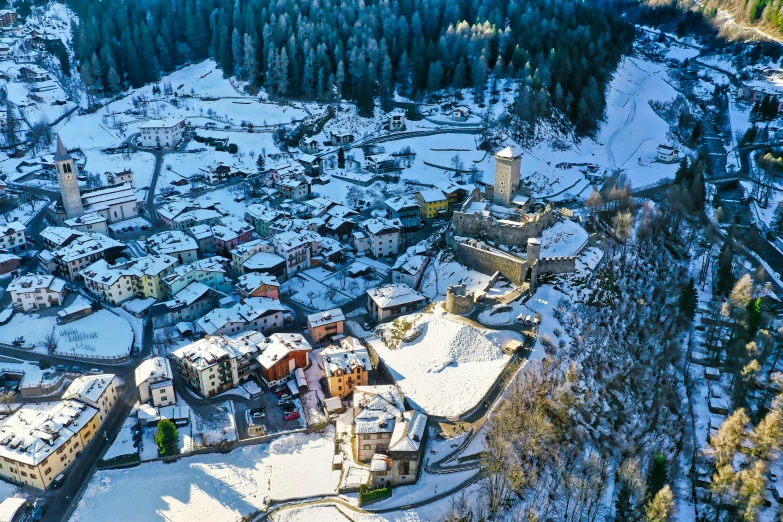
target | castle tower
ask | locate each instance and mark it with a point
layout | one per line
(533, 251)
(69, 185)
(508, 163)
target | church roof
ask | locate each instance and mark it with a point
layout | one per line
(62, 152)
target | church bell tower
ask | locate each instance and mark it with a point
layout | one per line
(69, 185)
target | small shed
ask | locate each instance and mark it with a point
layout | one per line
(333, 405)
(719, 406)
(712, 374)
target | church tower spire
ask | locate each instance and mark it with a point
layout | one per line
(69, 185)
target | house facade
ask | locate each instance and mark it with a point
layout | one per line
(323, 326)
(33, 292)
(384, 236)
(390, 301)
(12, 237)
(162, 133)
(154, 381)
(346, 365)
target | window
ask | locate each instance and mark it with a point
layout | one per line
(47, 471)
(32, 476)
(367, 447)
(86, 435)
(164, 398)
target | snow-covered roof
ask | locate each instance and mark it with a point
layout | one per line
(32, 435)
(249, 283)
(200, 232)
(86, 245)
(432, 195)
(335, 315)
(210, 350)
(11, 506)
(89, 388)
(162, 123)
(345, 357)
(8, 229)
(138, 305)
(376, 408)
(410, 264)
(278, 346)
(291, 240)
(241, 313)
(408, 435)
(398, 203)
(85, 219)
(153, 369)
(5, 257)
(395, 294)
(59, 235)
(171, 242)
(104, 273)
(188, 295)
(210, 264)
(378, 226)
(102, 199)
(32, 282)
(263, 261)
(508, 153)
(263, 213)
(308, 158)
(197, 214)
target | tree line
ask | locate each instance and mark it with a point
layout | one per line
(563, 51)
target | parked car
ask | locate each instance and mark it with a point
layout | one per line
(38, 512)
(130, 229)
(284, 402)
(78, 369)
(62, 368)
(292, 415)
(96, 371)
(286, 396)
(58, 481)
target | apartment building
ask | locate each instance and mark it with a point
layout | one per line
(82, 252)
(38, 444)
(34, 291)
(297, 249)
(390, 301)
(384, 236)
(323, 326)
(255, 313)
(162, 133)
(188, 304)
(258, 285)
(12, 237)
(175, 244)
(346, 365)
(210, 271)
(154, 381)
(218, 363)
(280, 355)
(143, 276)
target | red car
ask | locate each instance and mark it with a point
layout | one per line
(292, 415)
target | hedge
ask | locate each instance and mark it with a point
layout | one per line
(367, 495)
(133, 458)
(233, 148)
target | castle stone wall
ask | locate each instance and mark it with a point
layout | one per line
(489, 261)
(502, 231)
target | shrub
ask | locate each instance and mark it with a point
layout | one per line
(367, 495)
(220, 147)
(43, 365)
(233, 148)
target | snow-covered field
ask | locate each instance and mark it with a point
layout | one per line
(449, 366)
(213, 486)
(565, 238)
(101, 334)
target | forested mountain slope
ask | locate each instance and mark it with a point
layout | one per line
(565, 50)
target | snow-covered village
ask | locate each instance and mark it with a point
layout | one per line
(411, 261)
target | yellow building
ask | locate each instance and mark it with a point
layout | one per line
(346, 366)
(433, 203)
(37, 445)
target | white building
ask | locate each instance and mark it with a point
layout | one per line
(92, 222)
(297, 248)
(83, 251)
(667, 153)
(217, 363)
(98, 391)
(255, 313)
(409, 268)
(154, 381)
(12, 236)
(32, 292)
(162, 133)
(115, 203)
(384, 236)
(389, 301)
(175, 244)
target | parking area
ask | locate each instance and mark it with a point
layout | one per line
(274, 416)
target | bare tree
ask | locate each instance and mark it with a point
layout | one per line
(51, 342)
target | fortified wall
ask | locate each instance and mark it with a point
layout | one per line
(504, 231)
(480, 256)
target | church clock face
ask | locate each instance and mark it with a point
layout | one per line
(68, 177)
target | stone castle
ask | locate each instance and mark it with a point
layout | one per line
(503, 214)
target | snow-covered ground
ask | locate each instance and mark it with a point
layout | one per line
(214, 486)
(101, 334)
(123, 444)
(448, 367)
(565, 238)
